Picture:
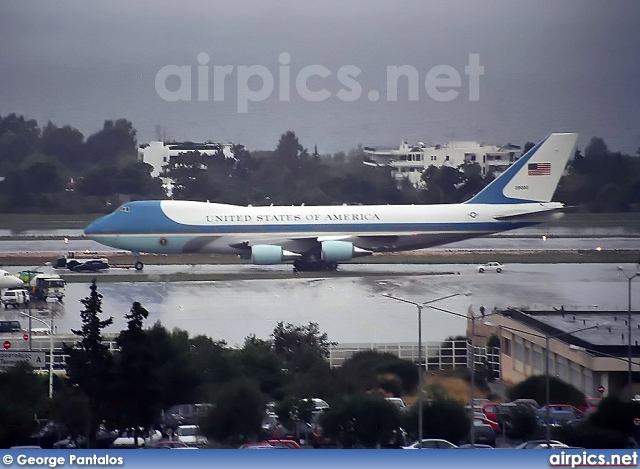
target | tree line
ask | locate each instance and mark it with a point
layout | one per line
(152, 368)
(57, 170)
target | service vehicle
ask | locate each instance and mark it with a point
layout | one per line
(491, 267)
(15, 297)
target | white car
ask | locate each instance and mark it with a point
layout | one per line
(191, 435)
(491, 266)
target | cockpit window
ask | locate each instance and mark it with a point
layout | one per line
(124, 208)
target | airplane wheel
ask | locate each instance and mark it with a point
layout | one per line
(298, 264)
(480, 270)
(333, 265)
(498, 270)
(139, 266)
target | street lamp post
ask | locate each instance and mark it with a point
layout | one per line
(420, 306)
(629, 279)
(50, 348)
(547, 339)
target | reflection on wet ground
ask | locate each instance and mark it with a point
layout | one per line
(349, 309)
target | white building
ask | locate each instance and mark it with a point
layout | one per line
(409, 161)
(158, 154)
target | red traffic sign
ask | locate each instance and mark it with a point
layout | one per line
(6, 344)
(601, 389)
(25, 336)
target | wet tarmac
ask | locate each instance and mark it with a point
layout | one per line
(348, 309)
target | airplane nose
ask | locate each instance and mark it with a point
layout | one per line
(17, 283)
(93, 228)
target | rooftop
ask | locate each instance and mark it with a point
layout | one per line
(611, 337)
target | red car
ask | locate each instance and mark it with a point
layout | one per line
(492, 423)
(590, 404)
(490, 409)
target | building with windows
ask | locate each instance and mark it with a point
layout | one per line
(409, 161)
(158, 155)
(588, 349)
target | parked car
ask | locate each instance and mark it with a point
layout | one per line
(136, 437)
(10, 326)
(565, 408)
(491, 267)
(541, 444)
(495, 426)
(483, 434)
(398, 402)
(490, 409)
(190, 435)
(530, 403)
(15, 297)
(169, 444)
(184, 414)
(431, 443)
(589, 404)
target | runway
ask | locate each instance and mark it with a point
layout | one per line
(348, 308)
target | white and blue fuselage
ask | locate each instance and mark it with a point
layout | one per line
(520, 197)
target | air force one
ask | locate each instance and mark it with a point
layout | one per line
(318, 237)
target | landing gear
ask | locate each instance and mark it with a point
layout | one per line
(138, 266)
(312, 264)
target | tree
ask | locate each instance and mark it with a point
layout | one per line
(442, 417)
(300, 346)
(361, 420)
(23, 393)
(136, 379)
(237, 414)
(534, 387)
(66, 143)
(89, 362)
(115, 143)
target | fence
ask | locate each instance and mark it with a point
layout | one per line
(448, 354)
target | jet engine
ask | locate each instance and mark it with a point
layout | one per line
(264, 254)
(337, 251)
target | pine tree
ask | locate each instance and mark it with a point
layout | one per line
(89, 362)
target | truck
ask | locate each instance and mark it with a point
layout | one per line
(48, 286)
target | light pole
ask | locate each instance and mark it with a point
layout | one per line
(473, 360)
(547, 338)
(629, 279)
(420, 306)
(50, 348)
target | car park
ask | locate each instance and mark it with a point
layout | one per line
(490, 267)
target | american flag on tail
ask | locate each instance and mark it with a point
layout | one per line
(539, 169)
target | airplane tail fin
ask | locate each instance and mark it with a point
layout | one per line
(534, 177)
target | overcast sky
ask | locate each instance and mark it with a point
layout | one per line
(549, 65)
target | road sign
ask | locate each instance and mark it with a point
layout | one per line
(601, 389)
(6, 344)
(12, 358)
(25, 336)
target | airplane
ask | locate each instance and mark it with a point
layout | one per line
(9, 281)
(318, 237)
